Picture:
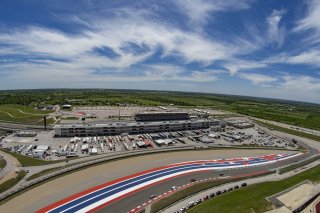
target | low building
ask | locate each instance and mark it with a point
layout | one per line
(82, 130)
(66, 106)
(25, 134)
(205, 139)
(240, 124)
(161, 142)
(40, 151)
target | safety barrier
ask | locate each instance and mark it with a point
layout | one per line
(85, 163)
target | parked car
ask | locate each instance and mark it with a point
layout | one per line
(152, 196)
(243, 184)
(205, 197)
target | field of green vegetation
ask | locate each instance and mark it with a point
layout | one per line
(291, 112)
(13, 181)
(252, 198)
(3, 163)
(2, 132)
(21, 114)
(43, 172)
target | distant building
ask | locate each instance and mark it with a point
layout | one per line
(130, 127)
(240, 124)
(50, 107)
(66, 106)
(161, 116)
(25, 134)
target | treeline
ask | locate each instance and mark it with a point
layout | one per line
(291, 112)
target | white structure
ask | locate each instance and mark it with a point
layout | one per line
(93, 151)
(163, 142)
(131, 127)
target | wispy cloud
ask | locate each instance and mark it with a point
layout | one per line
(257, 79)
(276, 32)
(301, 83)
(199, 11)
(311, 21)
(55, 72)
(236, 65)
(308, 57)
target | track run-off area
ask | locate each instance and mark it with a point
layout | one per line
(100, 196)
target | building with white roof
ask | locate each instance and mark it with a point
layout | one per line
(82, 130)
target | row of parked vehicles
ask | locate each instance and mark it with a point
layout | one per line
(212, 195)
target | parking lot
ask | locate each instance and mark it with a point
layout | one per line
(45, 146)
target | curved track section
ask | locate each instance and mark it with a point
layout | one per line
(105, 194)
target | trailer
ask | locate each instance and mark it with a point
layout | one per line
(22, 148)
(126, 146)
(93, 151)
(29, 148)
(84, 147)
(65, 148)
(72, 155)
(101, 147)
(76, 148)
(72, 147)
(110, 139)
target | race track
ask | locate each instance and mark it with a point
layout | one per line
(100, 196)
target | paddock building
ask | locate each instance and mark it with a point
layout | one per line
(161, 116)
(116, 128)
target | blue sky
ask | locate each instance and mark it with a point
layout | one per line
(250, 47)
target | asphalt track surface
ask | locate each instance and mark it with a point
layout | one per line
(129, 203)
(68, 185)
(76, 182)
(102, 197)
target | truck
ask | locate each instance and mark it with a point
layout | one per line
(93, 151)
(84, 147)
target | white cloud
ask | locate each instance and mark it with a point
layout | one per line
(308, 57)
(301, 84)
(257, 79)
(294, 87)
(118, 35)
(311, 21)
(236, 65)
(62, 72)
(275, 32)
(198, 11)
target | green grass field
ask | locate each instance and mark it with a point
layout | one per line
(44, 172)
(13, 181)
(252, 198)
(21, 114)
(3, 163)
(2, 132)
